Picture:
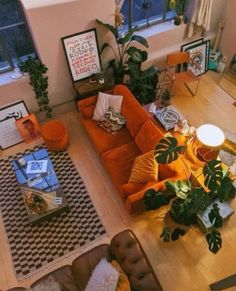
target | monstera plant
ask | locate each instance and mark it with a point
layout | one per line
(127, 62)
(189, 200)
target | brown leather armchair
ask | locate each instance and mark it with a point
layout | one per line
(125, 248)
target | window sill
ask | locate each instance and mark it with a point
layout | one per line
(6, 78)
(160, 28)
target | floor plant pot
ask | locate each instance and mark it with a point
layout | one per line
(180, 215)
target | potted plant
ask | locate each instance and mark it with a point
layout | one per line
(127, 61)
(188, 201)
(179, 7)
(39, 81)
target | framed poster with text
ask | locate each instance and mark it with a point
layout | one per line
(82, 54)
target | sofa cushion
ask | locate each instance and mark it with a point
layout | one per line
(104, 277)
(104, 141)
(87, 112)
(105, 101)
(123, 282)
(119, 161)
(148, 136)
(112, 121)
(131, 188)
(132, 110)
(83, 266)
(145, 169)
(63, 276)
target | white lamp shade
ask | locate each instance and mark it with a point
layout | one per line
(210, 135)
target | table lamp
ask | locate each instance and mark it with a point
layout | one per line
(205, 145)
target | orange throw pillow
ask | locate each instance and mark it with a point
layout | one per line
(145, 169)
(123, 282)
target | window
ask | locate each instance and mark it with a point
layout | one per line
(145, 12)
(15, 41)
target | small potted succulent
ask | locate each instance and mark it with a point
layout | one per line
(179, 7)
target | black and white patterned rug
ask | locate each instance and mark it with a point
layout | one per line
(33, 247)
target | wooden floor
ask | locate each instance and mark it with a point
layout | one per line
(181, 266)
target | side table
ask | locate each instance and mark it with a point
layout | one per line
(86, 89)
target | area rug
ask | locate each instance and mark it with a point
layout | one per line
(33, 247)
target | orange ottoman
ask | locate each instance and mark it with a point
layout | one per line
(55, 135)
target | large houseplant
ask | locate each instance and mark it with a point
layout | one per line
(127, 62)
(188, 200)
(39, 81)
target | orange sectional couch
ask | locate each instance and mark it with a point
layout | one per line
(118, 151)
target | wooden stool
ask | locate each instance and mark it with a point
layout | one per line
(55, 135)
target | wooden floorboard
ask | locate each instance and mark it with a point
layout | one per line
(181, 266)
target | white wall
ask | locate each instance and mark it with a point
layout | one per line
(228, 39)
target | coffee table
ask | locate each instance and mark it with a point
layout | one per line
(41, 190)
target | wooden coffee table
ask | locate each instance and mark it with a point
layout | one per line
(41, 190)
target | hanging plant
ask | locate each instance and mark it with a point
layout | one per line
(39, 81)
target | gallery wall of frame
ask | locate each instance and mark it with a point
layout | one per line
(199, 51)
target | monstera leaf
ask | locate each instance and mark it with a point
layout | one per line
(214, 241)
(167, 150)
(177, 233)
(166, 234)
(180, 188)
(154, 199)
(137, 55)
(215, 217)
(226, 190)
(213, 174)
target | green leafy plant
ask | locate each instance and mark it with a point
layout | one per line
(188, 200)
(179, 7)
(39, 82)
(127, 62)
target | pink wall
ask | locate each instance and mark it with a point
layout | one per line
(50, 20)
(48, 23)
(228, 38)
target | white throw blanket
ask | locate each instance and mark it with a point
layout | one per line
(201, 16)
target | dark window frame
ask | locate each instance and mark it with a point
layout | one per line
(10, 60)
(148, 22)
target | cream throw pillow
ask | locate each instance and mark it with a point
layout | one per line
(105, 101)
(104, 277)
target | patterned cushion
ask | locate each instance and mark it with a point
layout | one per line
(112, 121)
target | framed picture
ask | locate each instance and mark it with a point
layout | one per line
(28, 127)
(82, 54)
(184, 47)
(208, 54)
(16, 110)
(198, 53)
(9, 135)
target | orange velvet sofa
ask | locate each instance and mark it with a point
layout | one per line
(118, 151)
